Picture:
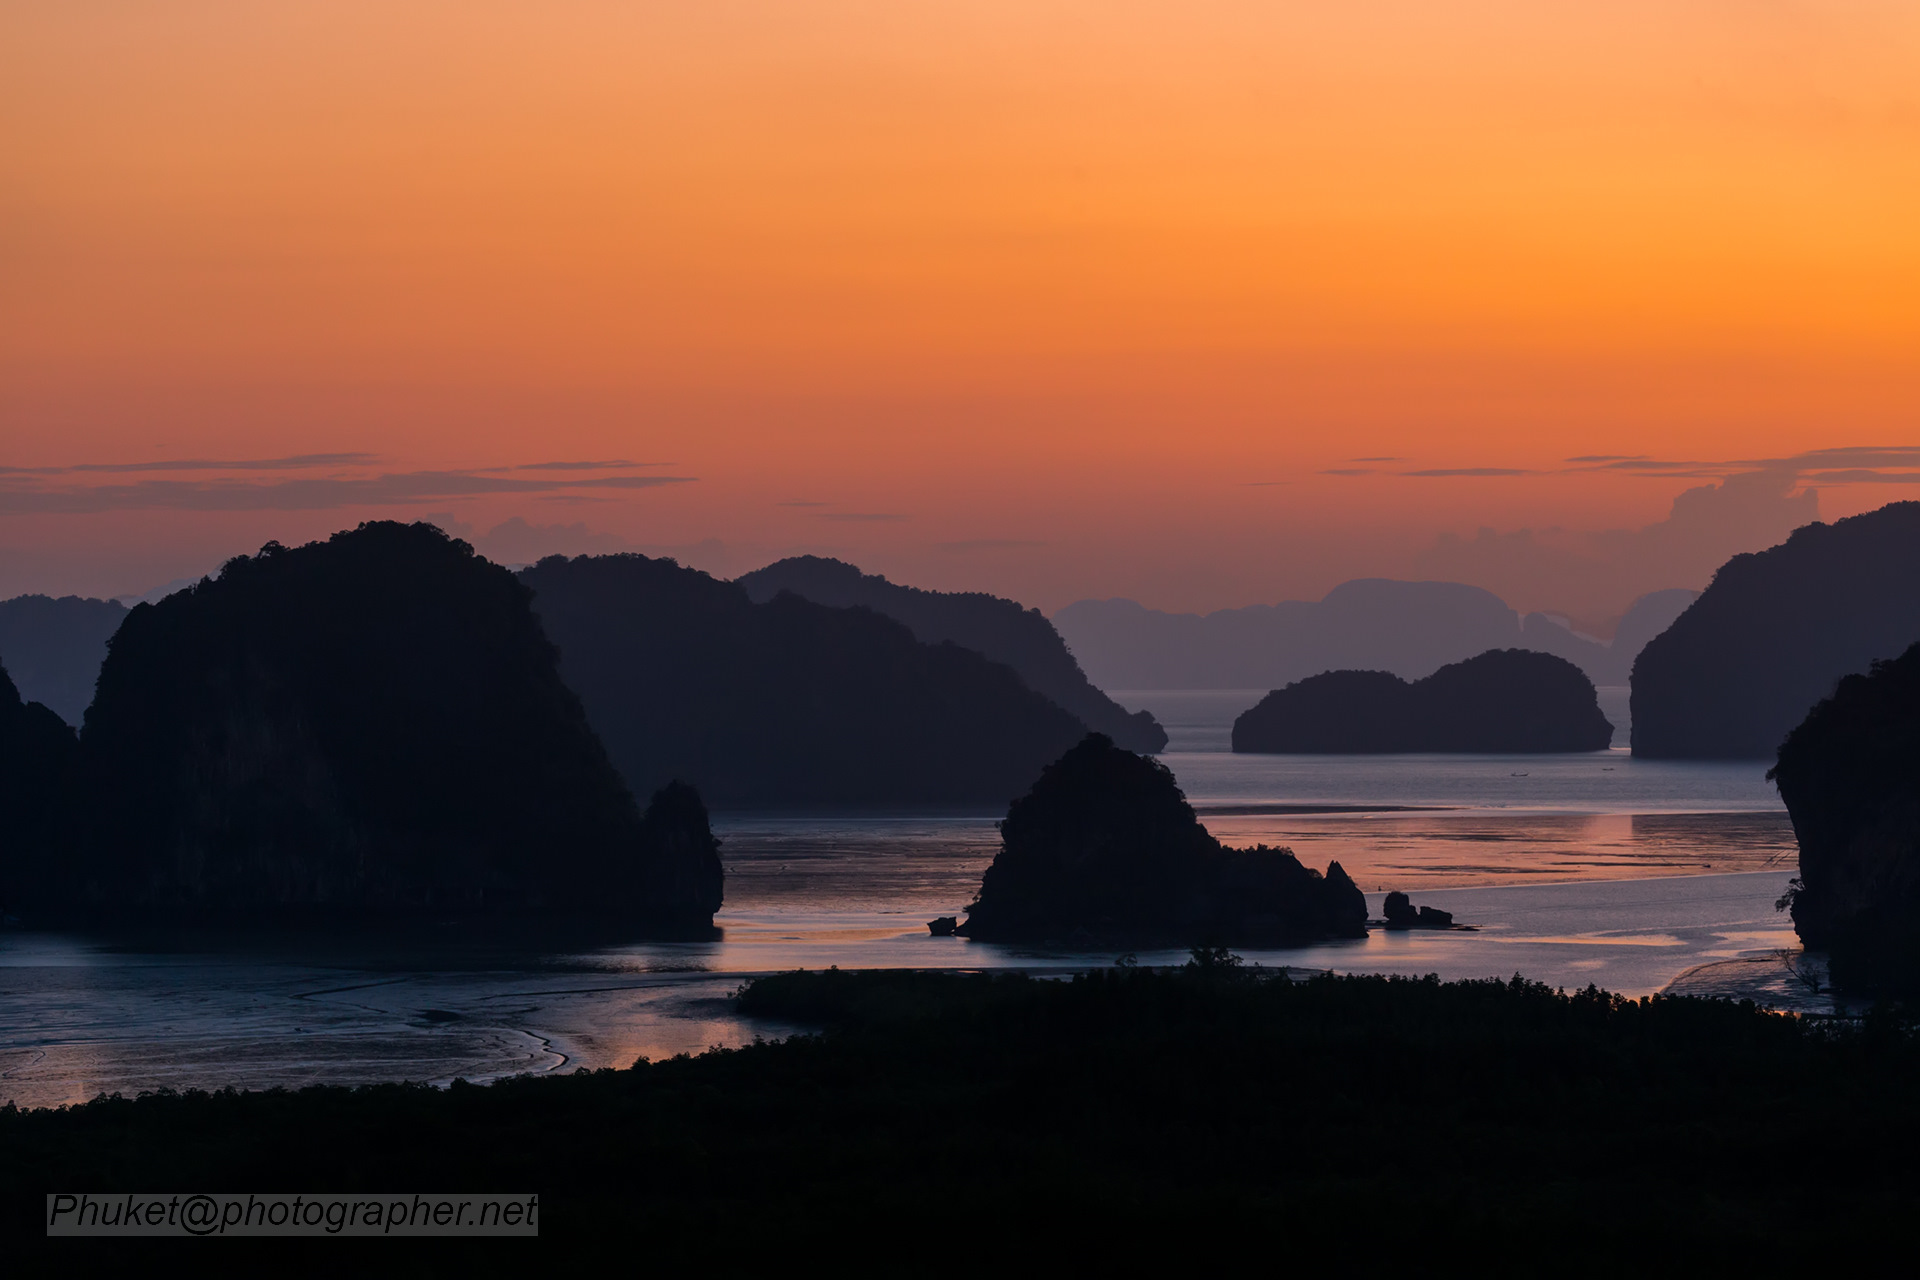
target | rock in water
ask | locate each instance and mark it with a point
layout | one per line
(680, 871)
(1850, 777)
(1106, 848)
(38, 756)
(371, 725)
(1504, 700)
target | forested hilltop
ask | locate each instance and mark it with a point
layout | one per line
(787, 702)
(1774, 632)
(1001, 629)
(368, 726)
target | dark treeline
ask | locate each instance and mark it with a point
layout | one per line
(1774, 632)
(370, 726)
(1504, 700)
(1105, 848)
(788, 702)
(1177, 1119)
(1001, 629)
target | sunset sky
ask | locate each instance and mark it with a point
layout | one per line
(1204, 303)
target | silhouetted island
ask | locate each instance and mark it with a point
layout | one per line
(39, 754)
(1504, 700)
(1106, 850)
(1774, 632)
(1850, 776)
(788, 702)
(1001, 629)
(53, 648)
(1400, 913)
(370, 726)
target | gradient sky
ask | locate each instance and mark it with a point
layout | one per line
(1052, 299)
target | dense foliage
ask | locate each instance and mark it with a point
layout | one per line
(1504, 700)
(1173, 1119)
(999, 628)
(1774, 632)
(1106, 847)
(788, 702)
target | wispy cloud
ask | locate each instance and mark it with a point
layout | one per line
(1351, 471)
(1471, 471)
(306, 494)
(607, 464)
(298, 462)
(1383, 457)
(860, 516)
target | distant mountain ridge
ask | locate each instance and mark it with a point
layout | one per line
(789, 702)
(1411, 629)
(53, 648)
(1774, 633)
(1002, 629)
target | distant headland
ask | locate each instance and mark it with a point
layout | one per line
(1504, 700)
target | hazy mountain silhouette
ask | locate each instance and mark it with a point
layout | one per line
(1774, 632)
(1504, 700)
(787, 702)
(374, 724)
(1850, 776)
(39, 754)
(1408, 628)
(1596, 575)
(1001, 629)
(1106, 849)
(53, 648)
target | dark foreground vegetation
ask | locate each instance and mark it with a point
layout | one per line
(1502, 700)
(1164, 1118)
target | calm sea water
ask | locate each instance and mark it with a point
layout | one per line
(1597, 868)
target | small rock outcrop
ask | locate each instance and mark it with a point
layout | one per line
(1400, 913)
(1105, 849)
(1504, 700)
(1773, 633)
(680, 872)
(1850, 777)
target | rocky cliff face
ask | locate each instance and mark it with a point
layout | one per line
(1774, 632)
(788, 702)
(1505, 700)
(370, 725)
(998, 628)
(1105, 849)
(1850, 776)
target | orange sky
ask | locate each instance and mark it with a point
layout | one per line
(1054, 299)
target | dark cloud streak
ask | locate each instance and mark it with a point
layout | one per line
(318, 494)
